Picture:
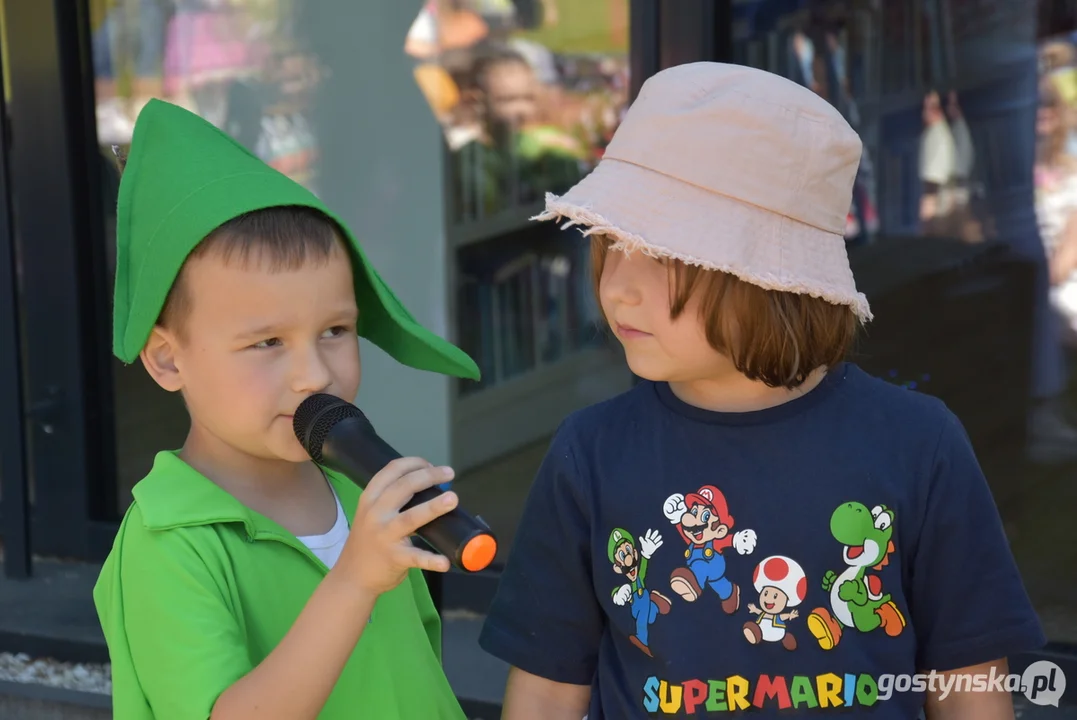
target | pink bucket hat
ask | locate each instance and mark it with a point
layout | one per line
(732, 169)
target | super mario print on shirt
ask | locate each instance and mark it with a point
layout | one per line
(687, 563)
(854, 601)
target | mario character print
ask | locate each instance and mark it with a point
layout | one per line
(703, 520)
(856, 596)
(632, 563)
(782, 585)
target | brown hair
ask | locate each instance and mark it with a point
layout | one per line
(774, 337)
(286, 237)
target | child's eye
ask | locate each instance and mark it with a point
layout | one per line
(336, 331)
(265, 344)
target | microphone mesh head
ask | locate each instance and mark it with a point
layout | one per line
(315, 417)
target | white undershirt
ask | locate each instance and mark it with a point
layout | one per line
(327, 547)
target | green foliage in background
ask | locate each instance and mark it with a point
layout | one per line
(583, 28)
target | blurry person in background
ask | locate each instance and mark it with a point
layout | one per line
(964, 152)
(863, 220)
(1057, 60)
(1056, 201)
(444, 25)
(439, 89)
(1052, 437)
(803, 68)
(517, 157)
(823, 68)
(508, 91)
(938, 163)
(523, 113)
(1055, 56)
(208, 45)
(441, 39)
(968, 215)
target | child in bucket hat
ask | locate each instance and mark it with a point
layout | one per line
(245, 581)
(750, 448)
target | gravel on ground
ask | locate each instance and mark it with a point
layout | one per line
(86, 677)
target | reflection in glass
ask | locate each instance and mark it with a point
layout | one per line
(969, 154)
(946, 161)
(238, 64)
(1056, 180)
(526, 307)
(244, 66)
(830, 56)
(528, 93)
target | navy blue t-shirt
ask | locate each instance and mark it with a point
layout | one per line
(687, 563)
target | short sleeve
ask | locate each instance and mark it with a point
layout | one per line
(184, 646)
(967, 601)
(545, 618)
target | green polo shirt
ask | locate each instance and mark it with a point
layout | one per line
(198, 589)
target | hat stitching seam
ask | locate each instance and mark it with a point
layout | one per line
(826, 115)
(809, 158)
(796, 110)
(819, 119)
(734, 198)
(802, 182)
(627, 241)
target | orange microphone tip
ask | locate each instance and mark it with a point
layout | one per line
(479, 553)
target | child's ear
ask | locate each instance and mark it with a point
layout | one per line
(159, 359)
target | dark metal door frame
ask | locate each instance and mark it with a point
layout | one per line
(665, 33)
(693, 31)
(14, 478)
(643, 43)
(68, 425)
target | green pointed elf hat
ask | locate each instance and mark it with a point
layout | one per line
(184, 178)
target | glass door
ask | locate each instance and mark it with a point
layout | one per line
(246, 66)
(528, 94)
(962, 231)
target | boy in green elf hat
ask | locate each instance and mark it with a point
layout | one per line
(244, 581)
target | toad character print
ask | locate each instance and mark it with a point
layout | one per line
(781, 585)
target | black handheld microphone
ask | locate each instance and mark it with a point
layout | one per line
(338, 435)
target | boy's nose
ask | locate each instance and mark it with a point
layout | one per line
(311, 374)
